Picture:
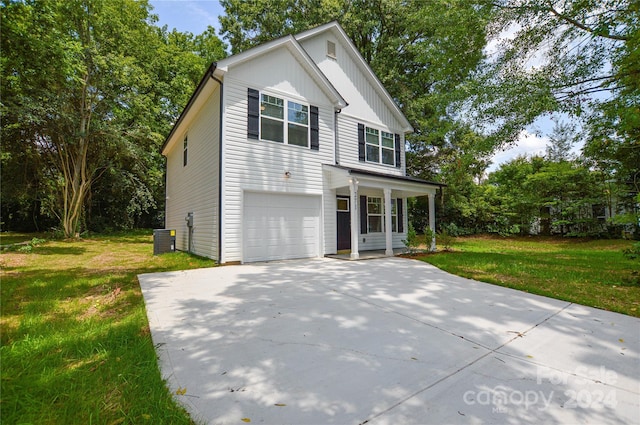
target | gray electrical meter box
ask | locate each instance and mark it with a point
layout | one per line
(164, 241)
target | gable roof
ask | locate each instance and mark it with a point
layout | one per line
(217, 70)
(298, 53)
(206, 79)
(336, 29)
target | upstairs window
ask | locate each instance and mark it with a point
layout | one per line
(387, 148)
(272, 118)
(283, 121)
(291, 128)
(298, 124)
(378, 146)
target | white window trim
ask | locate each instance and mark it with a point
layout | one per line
(379, 146)
(348, 206)
(381, 215)
(285, 120)
(394, 217)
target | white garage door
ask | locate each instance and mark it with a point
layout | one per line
(278, 227)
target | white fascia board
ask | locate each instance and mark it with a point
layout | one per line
(298, 52)
(337, 29)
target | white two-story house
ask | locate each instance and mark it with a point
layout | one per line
(290, 149)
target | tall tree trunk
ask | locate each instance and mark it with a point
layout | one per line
(77, 182)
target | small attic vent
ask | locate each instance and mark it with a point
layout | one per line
(331, 49)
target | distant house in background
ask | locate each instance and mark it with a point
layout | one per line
(291, 149)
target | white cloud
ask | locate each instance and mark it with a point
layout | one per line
(528, 144)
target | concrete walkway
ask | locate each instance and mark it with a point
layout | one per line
(385, 341)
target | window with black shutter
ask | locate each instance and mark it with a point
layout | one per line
(275, 119)
(378, 146)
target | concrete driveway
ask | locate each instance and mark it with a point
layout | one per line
(387, 341)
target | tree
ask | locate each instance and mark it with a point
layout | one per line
(561, 141)
(90, 88)
(423, 52)
(575, 56)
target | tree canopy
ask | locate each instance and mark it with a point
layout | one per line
(90, 89)
(423, 52)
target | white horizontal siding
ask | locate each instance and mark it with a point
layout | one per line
(375, 241)
(194, 188)
(260, 166)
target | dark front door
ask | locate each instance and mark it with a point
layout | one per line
(344, 223)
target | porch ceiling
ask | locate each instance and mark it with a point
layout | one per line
(402, 186)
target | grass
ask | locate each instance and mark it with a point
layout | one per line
(11, 238)
(75, 342)
(588, 272)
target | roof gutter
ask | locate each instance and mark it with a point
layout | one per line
(208, 74)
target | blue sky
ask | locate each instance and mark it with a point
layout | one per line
(188, 15)
(195, 15)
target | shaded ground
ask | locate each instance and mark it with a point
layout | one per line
(385, 341)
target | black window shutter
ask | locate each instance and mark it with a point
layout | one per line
(361, 148)
(363, 215)
(399, 210)
(315, 128)
(253, 114)
(398, 151)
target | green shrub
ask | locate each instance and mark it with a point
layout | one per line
(412, 239)
(445, 239)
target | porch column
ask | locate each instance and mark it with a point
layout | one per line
(355, 217)
(387, 223)
(432, 220)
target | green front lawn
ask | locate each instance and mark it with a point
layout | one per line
(589, 272)
(75, 342)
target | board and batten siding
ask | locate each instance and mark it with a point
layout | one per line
(251, 165)
(347, 149)
(194, 187)
(347, 76)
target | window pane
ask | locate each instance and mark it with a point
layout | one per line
(272, 130)
(387, 140)
(388, 156)
(272, 106)
(371, 136)
(373, 154)
(298, 135)
(375, 224)
(343, 205)
(298, 113)
(374, 205)
(393, 206)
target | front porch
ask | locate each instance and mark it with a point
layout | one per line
(376, 209)
(366, 255)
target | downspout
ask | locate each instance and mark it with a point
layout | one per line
(335, 136)
(219, 164)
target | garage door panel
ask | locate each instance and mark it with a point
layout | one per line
(280, 226)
